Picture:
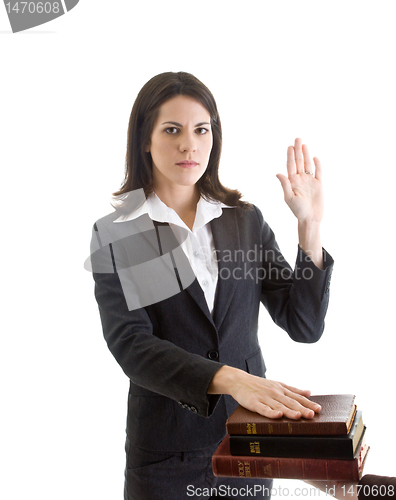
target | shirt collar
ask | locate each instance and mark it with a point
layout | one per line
(158, 211)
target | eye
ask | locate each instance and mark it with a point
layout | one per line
(171, 130)
(201, 130)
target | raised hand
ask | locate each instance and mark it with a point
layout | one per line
(302, 187)
(303, 193)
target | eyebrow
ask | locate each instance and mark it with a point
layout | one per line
(180, 125)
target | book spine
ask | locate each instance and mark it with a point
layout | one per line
(286, 429)
(286, 468)
(292, 447)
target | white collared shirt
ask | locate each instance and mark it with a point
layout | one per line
(198, 246)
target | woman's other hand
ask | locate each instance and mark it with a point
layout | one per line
(267, 397)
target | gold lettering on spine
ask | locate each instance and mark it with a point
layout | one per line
(267, 469)
(248, 472)
(251, 429)
(254, 447)
(244, 469)
(290, 427)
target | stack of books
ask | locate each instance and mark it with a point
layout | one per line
(331, 446)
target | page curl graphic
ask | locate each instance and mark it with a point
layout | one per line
(146, 255)
(24, 15)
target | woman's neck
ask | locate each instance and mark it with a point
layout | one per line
(183, 200)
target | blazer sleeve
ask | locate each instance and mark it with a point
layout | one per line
(150, 362)
(297, 300)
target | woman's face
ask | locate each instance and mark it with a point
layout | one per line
(181, 143)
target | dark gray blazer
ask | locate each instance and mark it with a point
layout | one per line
(170, 350)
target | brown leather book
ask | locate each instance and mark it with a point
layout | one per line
(334, 447)
(335, 419)
(226, 465)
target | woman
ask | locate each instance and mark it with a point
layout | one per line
(192, 352)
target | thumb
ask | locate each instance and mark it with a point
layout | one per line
(287, 189)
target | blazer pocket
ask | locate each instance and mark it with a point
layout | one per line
(255, 364)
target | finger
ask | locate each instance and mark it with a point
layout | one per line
(267, 411)
(318, 169)
(276, 407)
(308, 408)
(298, 154)
(292, 414)
(285, 407)
(302, 392)
(301, 397)
(297, 406)
(308, 166)
(289, 407)
(291, 162)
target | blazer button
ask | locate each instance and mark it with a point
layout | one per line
(193, 409)
(213, 355)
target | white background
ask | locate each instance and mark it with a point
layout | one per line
(319, 70)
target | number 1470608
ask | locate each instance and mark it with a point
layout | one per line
(34, 7)
(374, 490)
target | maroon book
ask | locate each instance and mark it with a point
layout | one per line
(335, 418)
(226, 465)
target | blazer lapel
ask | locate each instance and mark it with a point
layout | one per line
(226, 239)
(198, 295)
(193, 287)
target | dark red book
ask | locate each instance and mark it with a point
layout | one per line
(301, 446)
(226, 465)
(336, 417)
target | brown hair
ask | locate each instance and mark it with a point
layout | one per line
(138, 163)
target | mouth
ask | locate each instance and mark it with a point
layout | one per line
(187, 164)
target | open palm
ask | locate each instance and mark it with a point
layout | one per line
(302, 187)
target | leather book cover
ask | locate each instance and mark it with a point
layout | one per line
(226, 465)
(335, 418)
(334, 447)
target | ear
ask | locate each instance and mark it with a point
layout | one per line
(147, 148)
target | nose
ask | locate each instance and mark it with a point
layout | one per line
(188, 143)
